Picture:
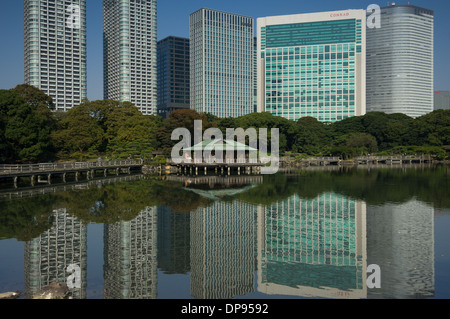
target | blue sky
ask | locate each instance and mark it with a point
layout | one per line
(173, 19)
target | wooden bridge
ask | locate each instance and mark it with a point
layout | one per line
(43, 172)
(363, 160)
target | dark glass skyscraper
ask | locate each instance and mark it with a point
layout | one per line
(173, 75)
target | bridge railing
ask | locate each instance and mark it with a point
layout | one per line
(50, 167)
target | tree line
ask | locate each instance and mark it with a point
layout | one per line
(30, 132)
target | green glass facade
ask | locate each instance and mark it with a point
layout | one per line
(318, 240)
(311, 69)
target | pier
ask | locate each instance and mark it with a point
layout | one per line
(42, 173)
(202, 168)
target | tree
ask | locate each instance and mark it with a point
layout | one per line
(362, 141)
(25, 129)
(34, 97)
(136, 136)
(183, 118)
(79, 131)
(311, 136)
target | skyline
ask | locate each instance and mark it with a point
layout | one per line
(174, 20)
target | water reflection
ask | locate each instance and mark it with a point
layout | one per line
(313, 248)
(130, 255)
(299, 239)
(223, 250)
(48, 256)
(400, 239)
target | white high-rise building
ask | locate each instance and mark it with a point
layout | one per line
(55, 49)
(400, 72)
(312, 65)
(130, 53)
(221, 63)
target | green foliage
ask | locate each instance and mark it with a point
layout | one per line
(29, 132)
(375, 186)
(26, 125)
(79, 131)
(26, 219)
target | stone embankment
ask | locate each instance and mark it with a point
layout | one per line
(55, 290)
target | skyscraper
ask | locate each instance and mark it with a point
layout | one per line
(129, 46)
(312, 65)
(400, 61)
(442, 100)
(55, 49)
(173, 75)
(221, 63)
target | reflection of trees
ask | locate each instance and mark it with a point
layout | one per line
(179, 200)
(26, 219)
(375, 187)
(123, 202)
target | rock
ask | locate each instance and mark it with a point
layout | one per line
(10, 295)
(55, 290)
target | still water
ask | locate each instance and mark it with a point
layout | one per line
(298, 234)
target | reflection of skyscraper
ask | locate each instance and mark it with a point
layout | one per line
(223, 250)
(48, 256)
(313, 248)
(130, 269)
(400, 239)
(173, 241)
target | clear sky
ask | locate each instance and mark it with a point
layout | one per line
(173, 19)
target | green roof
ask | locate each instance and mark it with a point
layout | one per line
(220, 145)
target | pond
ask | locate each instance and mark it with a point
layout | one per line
(359, 233)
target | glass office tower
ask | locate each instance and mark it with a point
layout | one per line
(312, 65)
(129, 49)
(400, 62)
(173, 75)
(221, 63)
(442, 100)
(55, 49)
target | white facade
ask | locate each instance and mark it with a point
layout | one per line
(130, 53)
(55, 49)
(312, 65)
(400, 72)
